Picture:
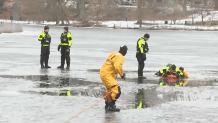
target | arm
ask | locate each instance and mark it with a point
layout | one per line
(163, 70)
(41, 37)
(118, 64)
(145, 47)
(70, 39)
(179, 73)
(59, 46)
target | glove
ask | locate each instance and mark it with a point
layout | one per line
(177, 75)
(158, 73)
(146, 50)
(59, 46)
(124, 76)
(164, 70)
(68, 49)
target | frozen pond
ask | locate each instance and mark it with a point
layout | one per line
(29, 94)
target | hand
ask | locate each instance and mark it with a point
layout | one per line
(59, 46)
(69, 47)
(124, 76)
(177, 75)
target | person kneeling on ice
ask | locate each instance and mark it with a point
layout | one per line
(108, 73)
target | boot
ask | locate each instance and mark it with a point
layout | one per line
(142, 77)
(42, 66)
(106, 105)
(112, 106)
(61, 67)
(68, 66)
(47, 66)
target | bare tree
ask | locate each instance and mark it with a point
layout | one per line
(33, 10)
(204, 12)
(194, 13)
(81, 10)
(185, 6)
(63, 12)
(98, 7)
(49, 10)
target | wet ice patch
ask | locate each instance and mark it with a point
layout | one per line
(189, 93)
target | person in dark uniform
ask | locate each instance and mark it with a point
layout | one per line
(65, 44)
(45, 39)
(142, 49)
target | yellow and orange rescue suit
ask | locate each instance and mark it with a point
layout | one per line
(109, 71)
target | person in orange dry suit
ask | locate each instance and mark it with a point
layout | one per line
(108, 73)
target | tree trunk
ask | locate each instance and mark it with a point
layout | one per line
(202, 19)
(97, 14)
(216, 4)
(154, 3)
(205, 2)
(184, 6)
(57, 22)
(139, 9)
(78, 8)
(82, 10)
(192, 3)
(62, 11)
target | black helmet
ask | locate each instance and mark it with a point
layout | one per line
(123, 50)
(181, 68)
(66, 28)
(168, 65)
(173, 67)
(46, 27)
(146, 36)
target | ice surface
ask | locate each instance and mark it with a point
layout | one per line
(22, 81)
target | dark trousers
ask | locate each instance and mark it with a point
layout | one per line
(45, 51)
(65, 54)
(141, 58)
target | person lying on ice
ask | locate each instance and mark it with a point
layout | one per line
(108, 73)
(166, 69)
(163, 70)
(174, 71)
(170, 70)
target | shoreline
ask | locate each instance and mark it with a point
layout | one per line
(110, 25)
